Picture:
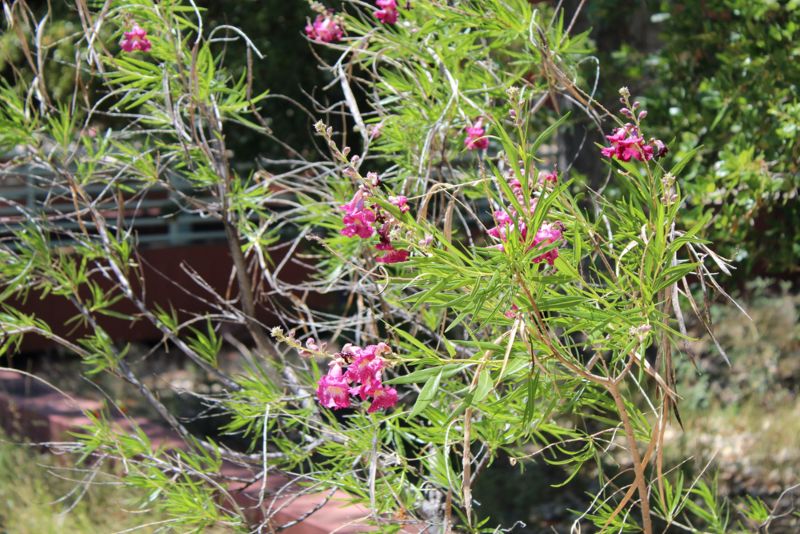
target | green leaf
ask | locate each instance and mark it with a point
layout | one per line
(425, 374)
(483, 387)
(426, 395)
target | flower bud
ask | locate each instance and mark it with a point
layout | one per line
(513, 93)
(659, 148)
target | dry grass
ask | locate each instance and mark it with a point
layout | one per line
(42, 494)
(752, 450)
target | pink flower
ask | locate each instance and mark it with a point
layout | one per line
(333, 389)
(364, 372)
(519, 192)
(325, 29)
(311, 345)
(349, 352)
(505, 225)
(382, 397)
(393, 256)
(375, 131)
(476, 139)
(548, 177)
(627, 144)
(380, 349)
(384, 240)
(357, 218)
(136, 39)
(367, 366)
(547, 234)
(401, 202)
(387, 13)
(511, 313)
(659, 148)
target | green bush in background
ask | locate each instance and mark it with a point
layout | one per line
(722, 75)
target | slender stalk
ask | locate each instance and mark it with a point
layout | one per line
(638, 466)
(466, 466)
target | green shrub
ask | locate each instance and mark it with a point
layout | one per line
(725, 77)
(489, 307)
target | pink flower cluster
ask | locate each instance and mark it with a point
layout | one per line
(627, 144)
(512, 312)
(364, 222)
(401, 202)
(362, 378)
(358, 219)
(136, 39)
(476, 136)
(546, 178)
(547, 234)
(387, 13)
(375, 131)
(325, 28)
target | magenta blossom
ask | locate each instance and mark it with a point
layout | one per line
(382, 397)
(324, 29)
(401, 202)
(548, 177)
(387, 13)
(384, 240)
(333, 389)
(476, 136)
(357, 218)
(368, 364)
(393, 256)
(311, 345)
(511, 313)
(519, 194)
(375, 130)
(627, 144)
(136, 39)
(548, 234)
(659, 148)
(505, 225)
(509, 223)
(363, 379)
(364, 222)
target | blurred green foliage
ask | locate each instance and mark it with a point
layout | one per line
(274, 26)
(41, 493)
(723, 75)
(59, 76)
(276, 29)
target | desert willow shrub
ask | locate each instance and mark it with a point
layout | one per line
(488, 311)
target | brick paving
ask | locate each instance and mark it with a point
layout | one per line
(37, 413)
